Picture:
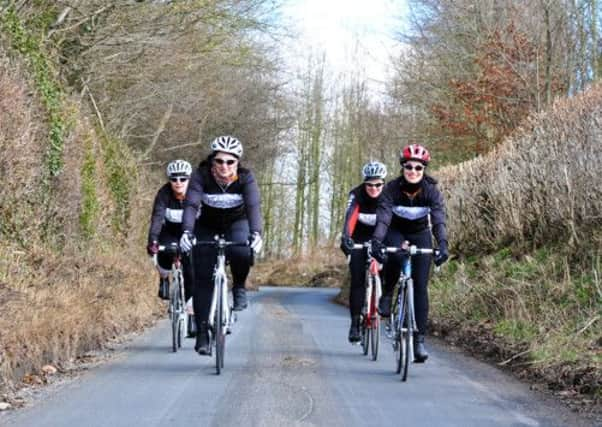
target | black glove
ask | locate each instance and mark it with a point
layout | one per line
(152, 248)
(346, 245)
(378, 251)
(443, 255)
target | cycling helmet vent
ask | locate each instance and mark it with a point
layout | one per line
(179, 168)
(227, 144)
(415, 152)
(374, 170)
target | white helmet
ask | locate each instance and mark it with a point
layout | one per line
(179, 168)
(374, 170)
(227, 144)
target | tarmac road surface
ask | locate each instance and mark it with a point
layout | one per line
(288, 363)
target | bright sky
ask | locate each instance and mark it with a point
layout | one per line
(337, 26)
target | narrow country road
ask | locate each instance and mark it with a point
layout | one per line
(288, 363)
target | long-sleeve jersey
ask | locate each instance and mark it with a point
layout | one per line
(167, 214)
(360, 216)
(411, 212)
(221, 207)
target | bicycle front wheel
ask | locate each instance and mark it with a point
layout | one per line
(175, 317)
(365, 336)
(406, 336)
(399, 350)
(375, 336)
(219, 333)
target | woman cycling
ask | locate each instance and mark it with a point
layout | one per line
(226, 196)
(411, 208)
(166, 224)
(360, 220)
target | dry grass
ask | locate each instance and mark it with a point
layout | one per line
(55, 307)
(323, 267)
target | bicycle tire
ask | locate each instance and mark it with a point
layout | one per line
(375, 336)
(219, 336)
(174, 316)
(365, 333)
(406, 337)
(174, 336)
(181, 311)
(374, 321)
(396, 339)
(397, 320)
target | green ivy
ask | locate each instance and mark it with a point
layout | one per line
(89, 203)
(31, 47)
(121, 176)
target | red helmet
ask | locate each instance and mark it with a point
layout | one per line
(415, 152)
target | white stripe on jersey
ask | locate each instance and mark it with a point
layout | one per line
(411, 212)
(223, 201)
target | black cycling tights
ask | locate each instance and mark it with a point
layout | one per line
(357, 291)
(420, 271)
(205, 258)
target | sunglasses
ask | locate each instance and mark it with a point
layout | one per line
(179, 179)
(371, 185)
(229, 162)
(417, 168)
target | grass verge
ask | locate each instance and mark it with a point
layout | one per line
(69, 303)
(539, 315)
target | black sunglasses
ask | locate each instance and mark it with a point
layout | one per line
(229, 162)
(179, 179)
(417, 168)
(371, 185)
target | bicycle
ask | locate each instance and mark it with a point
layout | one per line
(177, 303)
(402, 322)
(221, 316)
(370, 319)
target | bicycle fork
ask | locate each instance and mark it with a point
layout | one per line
(220, 288)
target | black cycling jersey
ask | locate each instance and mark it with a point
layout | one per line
(411, 209)
(221, 207)
(167, 215)
(359, 224)
(360, 216)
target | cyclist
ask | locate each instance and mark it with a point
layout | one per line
(228, 198)
(410, 208)
(358, 227)
(166, 224)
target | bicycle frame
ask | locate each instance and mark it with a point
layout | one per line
(220, 312)
(220, 283)
(403, 326)
(373, 289)
(405, 288)
(177, 302)
(370, 326)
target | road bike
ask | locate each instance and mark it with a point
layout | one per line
(221, 316)
(370, 319)
(177, 304)
(402, 322)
